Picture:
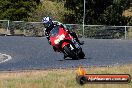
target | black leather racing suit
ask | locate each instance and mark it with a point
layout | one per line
(48, 29)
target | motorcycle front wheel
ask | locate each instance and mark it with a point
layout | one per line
(70, 52)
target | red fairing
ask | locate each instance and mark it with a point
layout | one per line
(61, 32)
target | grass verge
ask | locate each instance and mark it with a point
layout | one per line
(59, 78)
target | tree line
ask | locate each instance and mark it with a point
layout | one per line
(106, 12)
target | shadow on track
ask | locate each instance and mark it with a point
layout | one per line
(74, 59)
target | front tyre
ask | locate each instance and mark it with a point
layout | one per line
(70, 52)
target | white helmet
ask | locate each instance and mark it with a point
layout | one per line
(47, 21)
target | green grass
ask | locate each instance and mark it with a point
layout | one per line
(59, 78)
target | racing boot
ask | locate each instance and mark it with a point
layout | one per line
(81, 42)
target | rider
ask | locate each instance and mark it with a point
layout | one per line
(49, 25)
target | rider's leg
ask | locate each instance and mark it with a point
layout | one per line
(76, 38)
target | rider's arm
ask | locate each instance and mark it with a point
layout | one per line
(47, 35)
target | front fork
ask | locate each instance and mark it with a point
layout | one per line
(73, 45)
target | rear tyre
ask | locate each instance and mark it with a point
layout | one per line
(81, 54)
(70, 53)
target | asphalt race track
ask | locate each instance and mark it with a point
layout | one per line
(35, 53)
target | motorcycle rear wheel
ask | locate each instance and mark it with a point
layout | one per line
(81, 54)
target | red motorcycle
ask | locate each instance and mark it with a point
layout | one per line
(65, 43)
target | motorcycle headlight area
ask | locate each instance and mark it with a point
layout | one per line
(61, 37)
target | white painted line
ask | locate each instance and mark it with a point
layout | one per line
(7, 59)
